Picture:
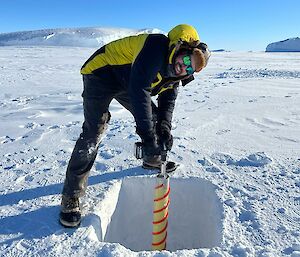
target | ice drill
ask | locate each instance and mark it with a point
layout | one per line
(161, 206)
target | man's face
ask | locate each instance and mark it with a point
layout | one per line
(184, 64)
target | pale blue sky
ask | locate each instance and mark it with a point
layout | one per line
(231, 24)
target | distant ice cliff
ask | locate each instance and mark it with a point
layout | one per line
(288, 45)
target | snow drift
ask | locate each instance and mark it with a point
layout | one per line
(80, 37)
(288, 45)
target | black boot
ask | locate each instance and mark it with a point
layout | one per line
(70, 214)
(154, 163)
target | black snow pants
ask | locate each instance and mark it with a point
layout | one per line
(97, 95)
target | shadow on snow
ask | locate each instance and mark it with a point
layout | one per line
(43, 222)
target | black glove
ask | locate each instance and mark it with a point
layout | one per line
(150, 146)
(164, 135)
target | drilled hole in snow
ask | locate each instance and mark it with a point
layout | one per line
(195, 214)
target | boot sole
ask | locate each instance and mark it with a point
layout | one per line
(171, 166)
(68, 224)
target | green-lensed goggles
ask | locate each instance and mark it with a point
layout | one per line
(188, 63)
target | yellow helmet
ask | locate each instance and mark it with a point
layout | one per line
(184, 33)
(180, 36)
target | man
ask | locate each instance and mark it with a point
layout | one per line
(131, 70)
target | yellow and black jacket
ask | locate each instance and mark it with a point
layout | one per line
(139, 64)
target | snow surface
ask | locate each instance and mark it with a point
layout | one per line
(288, 45)
(236, 131)
(79, 37)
